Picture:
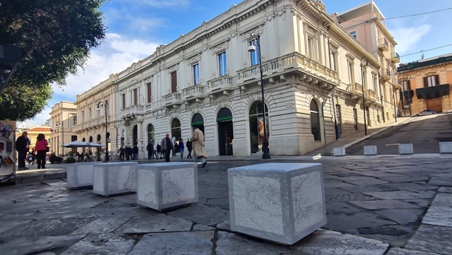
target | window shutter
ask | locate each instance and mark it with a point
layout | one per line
(173, 82)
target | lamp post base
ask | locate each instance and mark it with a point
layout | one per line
(265, 150)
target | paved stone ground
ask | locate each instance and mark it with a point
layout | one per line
(375, 205)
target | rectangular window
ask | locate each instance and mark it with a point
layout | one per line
(431, 81)
(406, 86)
(83, 116)
(351, 75)
(333, 60)
(123, 101)
(135, 96)
(74, 120)
(338, 115)
(149, 87)
(174, 82)
(107, 107)
(90, 113)
(222, 63)
(311, 47)
(254, 55)
(374, 82)
(354, 34)
(196, 74)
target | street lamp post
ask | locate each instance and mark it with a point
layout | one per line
(105, 105)
(60, 124)
(364, 97)
(252, 48)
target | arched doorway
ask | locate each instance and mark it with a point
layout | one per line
(315, 120)
(134, 136)
(257, 126)
(225, 131)
(150, 133)
(175, 134)
(198, 120)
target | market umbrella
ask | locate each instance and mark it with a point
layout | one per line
(77, 144)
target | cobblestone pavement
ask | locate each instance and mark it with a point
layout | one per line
(375, 205)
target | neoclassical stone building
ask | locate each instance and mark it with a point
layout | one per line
(324, 77)
(320, 83)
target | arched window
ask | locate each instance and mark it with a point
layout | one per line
(257, 126)
(175, 129)
(315, 120)
(150, 132)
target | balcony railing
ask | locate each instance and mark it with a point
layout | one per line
(293, 60)
(395, 58)
(132, 111)
(383, 44)
(192, 92)
(355, 89)
(385, 75)
(174, 98)
(221, 83)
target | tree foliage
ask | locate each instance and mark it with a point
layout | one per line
(56, 36)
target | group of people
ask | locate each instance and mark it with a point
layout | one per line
(40, 150)
(128, 153)
(195, 144)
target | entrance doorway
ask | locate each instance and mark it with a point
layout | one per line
(225, 132)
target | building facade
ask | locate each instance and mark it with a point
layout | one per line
(63, 119)
(96, 115)
(320, 82)
(425, 85)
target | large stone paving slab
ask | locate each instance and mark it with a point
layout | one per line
(402, 216)
(187, 243)
(350, 223)
(400, 251)
(434, 239)
(362, 180)
(403, 194)
(47, 227)
(36, 245)
(440, 211)
(101, 244)
(202, 214)
(383, 204)
(102, 225)
(332, 243)
(154, 224)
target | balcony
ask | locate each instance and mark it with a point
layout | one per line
(173, 99)
(355, 89)
(385, 75)
(195, 92)
(395, 58)
(383, 44)
(223, 84)
(293, 62)
(371, 97)
(433, 92)
(132, 112)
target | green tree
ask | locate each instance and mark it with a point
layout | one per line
(56, 36)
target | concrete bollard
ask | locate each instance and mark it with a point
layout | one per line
(80, 175)
(445, 147)
(405, 149)
(281, 202)
(370, 150)
(338, 151)
(165, 185)
(115, 178)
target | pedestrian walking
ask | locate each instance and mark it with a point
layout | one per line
(135, 152)
(41, 151)
(159, 151)
(198, 146)
(150, 149)
(189, 148)
(167, 146)
(181, 148)
(121, 153)
(22, 147)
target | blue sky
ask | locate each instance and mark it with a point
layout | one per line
(136, 27)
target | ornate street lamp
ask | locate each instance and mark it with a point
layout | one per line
(252, 48)
(364, 97)
(59, 124)
(105, 105)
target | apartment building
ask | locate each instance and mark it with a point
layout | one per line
(96, 115)
(365, 23)
(425, 85)
(63, 118)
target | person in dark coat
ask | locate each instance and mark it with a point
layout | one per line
(150, 149)
(189, 148)
(22, 147)
(159, 151)
(128, 152)
(135, 152)
(181, 148)
(167, 146)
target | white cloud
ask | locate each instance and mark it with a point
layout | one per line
(167, 3)
(408, 37)
(113, 56)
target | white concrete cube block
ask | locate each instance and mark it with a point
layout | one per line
(338, 151)
(281, 202)
(115, 178)
(166, 185)
(80, 175)
(370, 150)
(405, 148)
(445, 147)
